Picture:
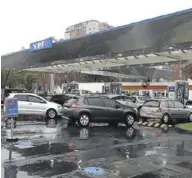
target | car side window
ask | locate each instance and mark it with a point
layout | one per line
(178, 104)
(152, 104)
(35, 99)
(189, 103)
(95, 101)
(164, 104)
(115, 98)
(110, 103)
(85, 101)
(21, 97)
(171, 104)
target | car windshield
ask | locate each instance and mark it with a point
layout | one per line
(141, 98)
(75, 92)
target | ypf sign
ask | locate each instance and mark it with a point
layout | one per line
(40, 45)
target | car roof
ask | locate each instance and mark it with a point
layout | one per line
(24, 94)
(113, 95)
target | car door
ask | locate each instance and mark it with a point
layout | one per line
(182, 112)
(22, 104)
(37, 105)
(98, 109)
(114, 113)
(172, 110)
(150, 109)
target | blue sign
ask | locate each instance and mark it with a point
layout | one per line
(172, 89)
(94, 170)
(40, 45)
(11, 106)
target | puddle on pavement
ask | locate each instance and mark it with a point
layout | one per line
(48, 168)
(44, 168)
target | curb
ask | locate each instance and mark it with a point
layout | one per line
(183, 131)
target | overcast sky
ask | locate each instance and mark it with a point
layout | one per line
(26, 21)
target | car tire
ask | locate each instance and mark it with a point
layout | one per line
(165, 119)
(51, 114)
(190, 117)
(129, 119)
(84, 120)
(113, 124)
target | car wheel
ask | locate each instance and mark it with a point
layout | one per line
(51, 113)
(190, 117)
(84, 120)
(51, 123)
(113, 124)
(165, 119)
(129, 119)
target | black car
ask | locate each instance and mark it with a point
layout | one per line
(61, 98)
(86, 109)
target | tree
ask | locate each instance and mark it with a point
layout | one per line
(5, 74)
(29, 80)
(187, 71)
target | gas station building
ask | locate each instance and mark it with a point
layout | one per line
(154, 42)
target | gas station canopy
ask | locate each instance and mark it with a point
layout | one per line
(157, 41)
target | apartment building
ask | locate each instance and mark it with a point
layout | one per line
(85, 28)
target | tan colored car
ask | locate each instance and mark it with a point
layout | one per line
(168, 111)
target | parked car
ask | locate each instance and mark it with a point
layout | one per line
(168, 111)
(32, 104)
(98, 109)
(80, 92)
(189, 104)
(62, 98)
(132, 101)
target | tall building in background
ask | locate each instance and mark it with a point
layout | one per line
(85, 28)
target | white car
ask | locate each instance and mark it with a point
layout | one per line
(32, 104)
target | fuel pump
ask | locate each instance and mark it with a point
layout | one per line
(179, 91)
(112, 88)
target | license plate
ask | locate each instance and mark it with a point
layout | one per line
(65, 107)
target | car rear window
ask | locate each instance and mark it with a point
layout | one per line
(70, 102)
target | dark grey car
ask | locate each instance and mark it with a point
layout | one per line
(99, 109)
(168, 111)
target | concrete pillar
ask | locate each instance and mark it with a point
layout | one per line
(52, 84)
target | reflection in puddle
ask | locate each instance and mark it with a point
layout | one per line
(47, 168)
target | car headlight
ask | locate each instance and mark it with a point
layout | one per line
(135, 109)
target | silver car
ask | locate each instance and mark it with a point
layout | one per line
(32, 104)
(168, 111)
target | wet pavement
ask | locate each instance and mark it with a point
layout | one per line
(121, 152)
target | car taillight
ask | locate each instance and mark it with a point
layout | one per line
(73, 105)
(159, 110)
